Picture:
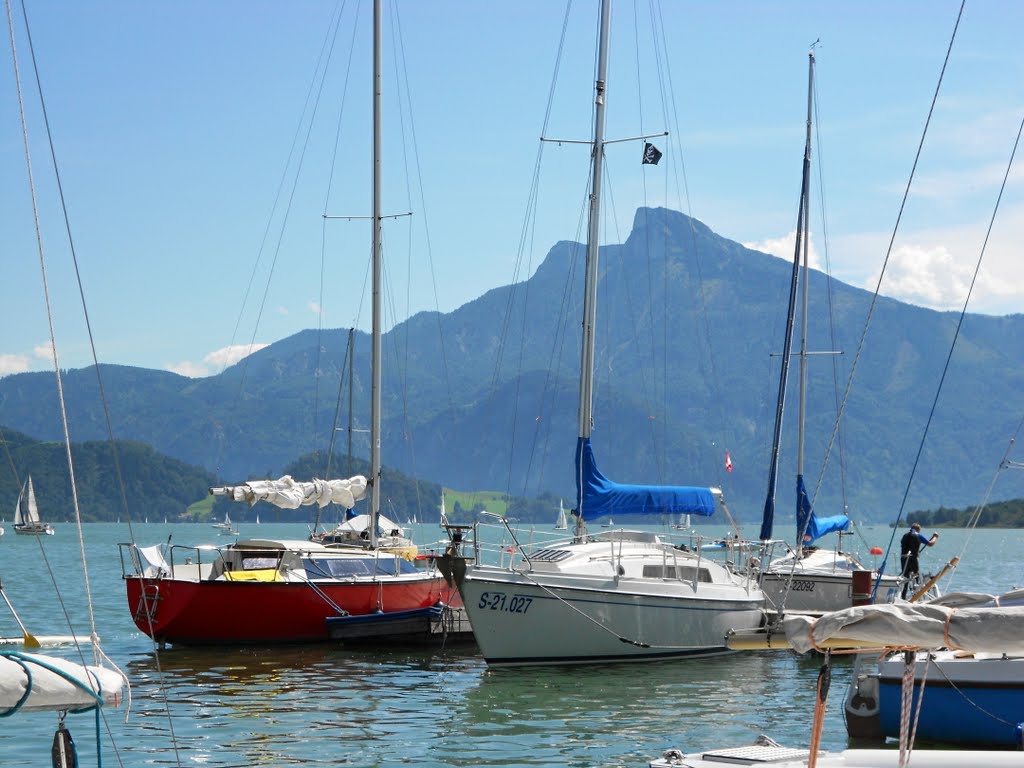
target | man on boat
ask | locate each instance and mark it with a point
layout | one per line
(910, 546)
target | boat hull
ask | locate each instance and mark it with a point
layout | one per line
(394, 626)
(183, 612)
(574, 620)
(815, 593)
(966, 701)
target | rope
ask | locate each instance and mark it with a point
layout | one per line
(878, 285)
(824, 682)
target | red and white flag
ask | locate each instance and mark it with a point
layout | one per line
(728, 462)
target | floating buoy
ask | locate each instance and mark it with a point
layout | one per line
(876, 550)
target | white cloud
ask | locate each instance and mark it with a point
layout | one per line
(217, 360)
(13, 364)
(281, 310)
(192, 370)
(43, 351)
(315, 308)
(927, 276)
(783, 248)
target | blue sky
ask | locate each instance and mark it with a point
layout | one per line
(173, 125)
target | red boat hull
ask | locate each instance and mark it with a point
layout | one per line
(183, 612)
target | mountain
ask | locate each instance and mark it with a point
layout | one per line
(485, 396)
(156, 487)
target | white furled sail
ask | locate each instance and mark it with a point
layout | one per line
(980, 625)
(288, 493)
(31, 682)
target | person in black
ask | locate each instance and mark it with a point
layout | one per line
(910, 546)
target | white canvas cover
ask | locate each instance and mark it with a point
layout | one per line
(288, 493)
(151, 562)
(361, 523)
(70, 687)
(979, 625)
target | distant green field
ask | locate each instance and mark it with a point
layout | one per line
(492, 500)
(201, 510)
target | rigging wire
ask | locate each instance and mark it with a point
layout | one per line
(311, 105)
(956, 334)
(98, 654)
(702, 321)
(888, 254)
(342, 101)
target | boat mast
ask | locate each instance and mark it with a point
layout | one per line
(801, 234)
(375, 394)
(768, 518)
(593, 232)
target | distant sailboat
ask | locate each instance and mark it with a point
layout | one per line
(561, 522)
(226, 528)
(26, 513)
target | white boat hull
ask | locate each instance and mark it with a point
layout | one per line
(782, 757)
(572, 619)
(816, 593)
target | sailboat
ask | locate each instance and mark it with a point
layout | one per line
(617, 595)
(561, 522)
(345, 586)
(808, 579)
(26, 513)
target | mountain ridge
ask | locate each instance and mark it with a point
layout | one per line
(493, 405)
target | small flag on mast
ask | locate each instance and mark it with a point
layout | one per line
(651, 154)
(728, 462)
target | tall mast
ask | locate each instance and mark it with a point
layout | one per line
(768, 517)
(806, 274)
(375, 387)
(593, 229)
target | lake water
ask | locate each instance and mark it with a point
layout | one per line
(324, 705)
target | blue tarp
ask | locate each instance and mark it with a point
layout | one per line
(809, 524)
(596, 495)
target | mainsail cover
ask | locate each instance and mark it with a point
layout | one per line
(288, 493)
(810, 527)
(35, 682)
(596, 495)
(985, 629)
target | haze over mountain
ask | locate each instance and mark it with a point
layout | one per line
(485, 397)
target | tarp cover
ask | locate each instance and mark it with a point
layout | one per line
(292, 494)
(56, 684)
(596, 495)
(361, 523)
(809, 524)
(985, 629)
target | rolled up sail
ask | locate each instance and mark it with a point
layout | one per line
(596, 495)
(34, 682)
(288, 493)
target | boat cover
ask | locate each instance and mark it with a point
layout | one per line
(292, 494)
(36, 682)
(596, 495)
(810, 527)
(989, 628)
(360, 523)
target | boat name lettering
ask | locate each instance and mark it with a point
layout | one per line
(803, 586)
(499, 601)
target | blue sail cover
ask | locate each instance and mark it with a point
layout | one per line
(596, 495)
(808, 524)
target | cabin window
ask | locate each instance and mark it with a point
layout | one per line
(388, 566)
(678, 572)
(336, 567)
(258, 563)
